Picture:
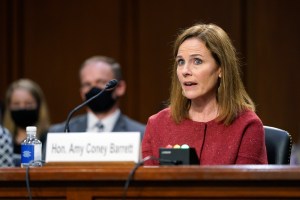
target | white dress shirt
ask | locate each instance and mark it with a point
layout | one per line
(107, 122)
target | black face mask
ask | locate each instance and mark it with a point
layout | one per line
(25, 117)
(102, 103)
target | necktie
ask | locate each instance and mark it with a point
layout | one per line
(99, 126)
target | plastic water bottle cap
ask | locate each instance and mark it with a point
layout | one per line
(30, 128)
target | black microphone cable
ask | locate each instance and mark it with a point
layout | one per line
(31, 163)
(132, 172)
(109, 86)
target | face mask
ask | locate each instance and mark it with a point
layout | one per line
(102, 103)
(25, 117)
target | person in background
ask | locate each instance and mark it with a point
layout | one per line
(25, 106)
(6, 146)
(209, 109)
(103, 113)
(295, 154)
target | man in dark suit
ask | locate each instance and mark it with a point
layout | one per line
(103, 113)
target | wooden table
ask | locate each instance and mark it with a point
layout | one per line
(100, 181)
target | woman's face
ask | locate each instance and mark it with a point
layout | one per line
(22, 99)
(197, 70)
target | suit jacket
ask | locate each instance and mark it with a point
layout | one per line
(79, 124)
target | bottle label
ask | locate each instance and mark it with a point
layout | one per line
(27, 153)
(38, 152)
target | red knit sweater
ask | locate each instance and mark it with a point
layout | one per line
(242, 142)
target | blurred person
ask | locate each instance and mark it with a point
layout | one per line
(103, 113)
(25, 106)
(295, 154)
(6, 146)
(1, 111)
(209, 109)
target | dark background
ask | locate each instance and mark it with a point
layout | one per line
(47, 40)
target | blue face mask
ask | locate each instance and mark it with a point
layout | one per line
(102, 103)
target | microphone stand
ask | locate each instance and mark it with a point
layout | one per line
(110, 85)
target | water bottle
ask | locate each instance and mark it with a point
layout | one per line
(31, 149)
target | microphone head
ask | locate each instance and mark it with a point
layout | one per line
(111, 84)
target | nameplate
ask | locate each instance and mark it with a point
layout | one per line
(93, 147)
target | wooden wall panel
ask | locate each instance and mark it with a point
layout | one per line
(3, 50)
(273, 67)
(11, 43)
(159, 23)
(128, 57)
(48, 40)
(59, 36)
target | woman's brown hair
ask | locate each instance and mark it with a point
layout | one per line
(231, 94)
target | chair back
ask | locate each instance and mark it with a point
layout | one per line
(278, 144)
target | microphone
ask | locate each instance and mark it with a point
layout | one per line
(110, 85)
(178, 156)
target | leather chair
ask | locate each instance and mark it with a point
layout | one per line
(278, 144)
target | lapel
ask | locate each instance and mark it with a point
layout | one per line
(120, 125)
(80, 124)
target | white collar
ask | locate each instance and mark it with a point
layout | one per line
(108, 122)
